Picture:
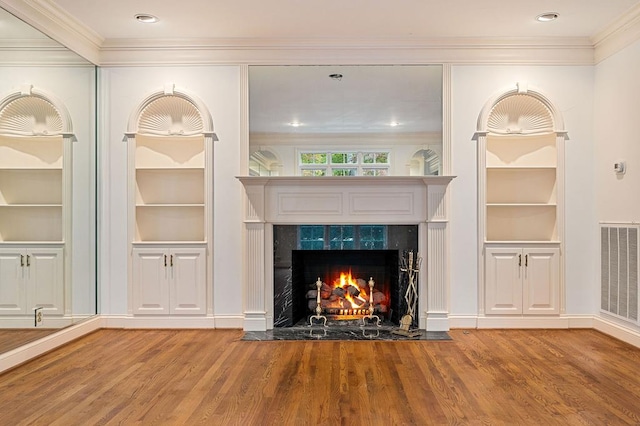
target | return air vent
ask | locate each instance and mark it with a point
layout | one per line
(619, 269)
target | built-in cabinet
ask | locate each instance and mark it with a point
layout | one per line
(522, 281)
(33, 224)
(169, 280)
(170, 199)
(169, 277)
(520, 180)
(31, 278)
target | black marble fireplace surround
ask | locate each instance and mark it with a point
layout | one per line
(296, 271)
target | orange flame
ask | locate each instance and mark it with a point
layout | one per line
(344, 282)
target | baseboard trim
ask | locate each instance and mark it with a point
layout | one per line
(619, 331)
(32, 350)
(153, 322)
(471, 321)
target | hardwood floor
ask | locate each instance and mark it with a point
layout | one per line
(190, 377)
(11, 338)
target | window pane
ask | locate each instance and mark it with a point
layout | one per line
(375, 158)
(344, 172)
(314, 172)
(311, 237)
(375, 172)
(373, 237)
(313, 158)
(344, 158)
(341, 237)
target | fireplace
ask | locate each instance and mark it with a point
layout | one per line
(277, 201)
(345, 276)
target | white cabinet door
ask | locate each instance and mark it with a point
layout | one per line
(13, 291)
(169, 281)
(44, 273)
(541, 281)
(503, 291)
(151, 273)
(188, 291)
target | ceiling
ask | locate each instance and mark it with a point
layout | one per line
(344, 19)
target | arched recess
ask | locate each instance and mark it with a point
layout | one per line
(264, 162)
(170, 136)
(36, 135)
(425, 162)
(521, 136)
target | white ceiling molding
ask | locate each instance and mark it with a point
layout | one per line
(45, 52)
(57, 24)
(552, 51)
(617, 35)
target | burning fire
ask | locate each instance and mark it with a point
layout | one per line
(354, 294)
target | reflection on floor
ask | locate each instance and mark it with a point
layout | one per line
(12, 338)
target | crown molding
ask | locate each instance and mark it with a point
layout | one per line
(529, 51)
(47, 17)
(617, 35)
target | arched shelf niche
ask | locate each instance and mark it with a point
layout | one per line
(170, 136)
(520, 136)
(36, 135)
(264, 162)
(425, 162)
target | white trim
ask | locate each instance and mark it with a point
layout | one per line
(617, 35)
(619, 331)
(32, 350)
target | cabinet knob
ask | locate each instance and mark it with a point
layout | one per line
(519, 260)
(526, 260)
(28, 260)
(22, 261)
(165, 260)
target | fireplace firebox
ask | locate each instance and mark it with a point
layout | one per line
(346, 275)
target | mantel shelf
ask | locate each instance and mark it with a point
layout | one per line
(341, 180)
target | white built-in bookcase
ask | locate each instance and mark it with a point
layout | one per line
(170, 195)
(520, 205)
(35, 203)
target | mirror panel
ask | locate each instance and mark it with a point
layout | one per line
(42, 188)
(374, 120)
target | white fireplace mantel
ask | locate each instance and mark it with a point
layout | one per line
(383, 200)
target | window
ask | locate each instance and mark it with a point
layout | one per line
(342, 237)
(344, 163)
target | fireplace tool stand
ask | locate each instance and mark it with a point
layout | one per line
(411, 267)
(317, 316)
(370, 315)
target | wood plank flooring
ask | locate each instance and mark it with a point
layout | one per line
(210, 377)
(11, 338)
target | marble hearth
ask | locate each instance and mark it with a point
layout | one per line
(406, 200)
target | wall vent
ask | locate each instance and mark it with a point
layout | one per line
(619, 270)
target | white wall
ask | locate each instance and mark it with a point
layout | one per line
(617, 137)
(571, 91)
(123, 89)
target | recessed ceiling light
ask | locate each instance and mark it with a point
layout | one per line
(295, 124)
(546, 17)
(394, 124)
(146, 18)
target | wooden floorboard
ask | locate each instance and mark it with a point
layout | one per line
(211, 377)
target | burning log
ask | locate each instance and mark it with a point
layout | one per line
(325, 291)
(378, 297)
(339, 291)
(353, 291)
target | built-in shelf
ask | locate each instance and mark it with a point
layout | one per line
(170, 194)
